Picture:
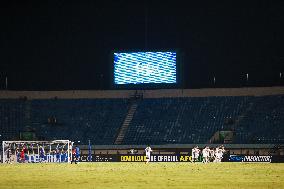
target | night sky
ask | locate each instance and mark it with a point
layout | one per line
(59, 45)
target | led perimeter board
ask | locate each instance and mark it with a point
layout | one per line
(144, 69)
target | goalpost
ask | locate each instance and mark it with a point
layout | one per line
(55, 151)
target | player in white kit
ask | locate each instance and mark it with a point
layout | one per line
(148, 151)
(219, 154)
(205, 154)
(195, 153)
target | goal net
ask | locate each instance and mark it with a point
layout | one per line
(56, 151)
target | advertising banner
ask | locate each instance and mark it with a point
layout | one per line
(154, 158)
(36, 158)
(140, 158)
(179, 158)
(256, 158)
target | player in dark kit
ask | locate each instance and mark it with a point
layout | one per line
(22, 155)
(41, 154)
(58, 155)
(73, 156)
(9, 153)
(77, 150)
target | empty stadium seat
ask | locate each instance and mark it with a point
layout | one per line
(156, 121)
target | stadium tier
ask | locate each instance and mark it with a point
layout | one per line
(182, 120)
(11, 118)
(51, 119)
(170, 120)
(195, 120)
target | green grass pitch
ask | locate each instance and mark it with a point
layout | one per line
(140, 175)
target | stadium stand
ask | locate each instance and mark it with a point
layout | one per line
(194, 120)
(182, 120)
(78, 120)
(11, 118)
(263, 121)
(165, 120)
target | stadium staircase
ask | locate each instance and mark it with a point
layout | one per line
(27, 113)
(237, 126)
(219, 137)
(126, 123)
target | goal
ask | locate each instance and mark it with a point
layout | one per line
(55, 151)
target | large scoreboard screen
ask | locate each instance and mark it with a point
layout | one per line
(138, 68)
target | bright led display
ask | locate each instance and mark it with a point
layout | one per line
(145, 68)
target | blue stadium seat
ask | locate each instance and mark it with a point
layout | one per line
(156, 121)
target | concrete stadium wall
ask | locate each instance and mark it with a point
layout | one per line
(257, 91)
(160, 93)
